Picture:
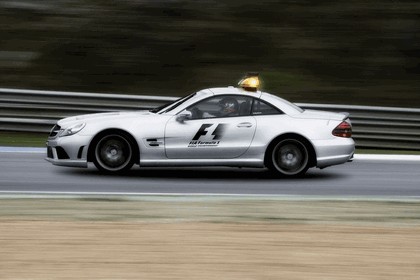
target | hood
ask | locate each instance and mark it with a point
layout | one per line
(321, 115)
(102, 117)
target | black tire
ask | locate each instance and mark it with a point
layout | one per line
(113, 153)
(289, 158)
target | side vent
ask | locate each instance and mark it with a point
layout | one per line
(80, 152)
(154, 142)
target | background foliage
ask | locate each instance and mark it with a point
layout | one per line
(344, 52)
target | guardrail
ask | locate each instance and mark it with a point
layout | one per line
(37, 111)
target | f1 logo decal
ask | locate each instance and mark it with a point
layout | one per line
(203, 131)
(217, 133)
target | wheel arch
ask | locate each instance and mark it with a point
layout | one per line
(308, 144)
(99, 135)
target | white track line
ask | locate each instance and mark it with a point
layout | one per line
(27, 150)
(358, 157)
(195, 196)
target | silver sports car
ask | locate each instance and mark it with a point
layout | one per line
(231, 126)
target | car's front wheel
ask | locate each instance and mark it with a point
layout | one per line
(289, 157)
(113, 154)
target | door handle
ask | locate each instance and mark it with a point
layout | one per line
(245, 124)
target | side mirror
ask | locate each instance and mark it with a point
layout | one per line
(183, 116)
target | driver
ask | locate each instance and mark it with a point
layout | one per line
(229, 106)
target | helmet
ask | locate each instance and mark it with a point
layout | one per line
(229, 105)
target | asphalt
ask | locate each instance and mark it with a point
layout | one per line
(28, 173)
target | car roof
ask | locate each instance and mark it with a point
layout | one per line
(234, 90)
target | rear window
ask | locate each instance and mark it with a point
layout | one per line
(261, 108)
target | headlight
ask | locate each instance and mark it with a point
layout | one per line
(72, 129)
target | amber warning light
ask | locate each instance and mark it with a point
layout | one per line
(250, 82)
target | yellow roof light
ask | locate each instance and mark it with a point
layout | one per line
(250, 82)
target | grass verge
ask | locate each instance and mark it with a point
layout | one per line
(22, 139)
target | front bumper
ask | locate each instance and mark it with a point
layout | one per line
(68, 151)
(67, 162)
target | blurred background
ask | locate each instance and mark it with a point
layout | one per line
(341, 52)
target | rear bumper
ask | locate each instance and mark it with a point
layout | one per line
(334, 151)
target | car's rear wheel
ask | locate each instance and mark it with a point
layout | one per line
(113, 154)
(289, 158)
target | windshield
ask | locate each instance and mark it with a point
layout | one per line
(172, 105)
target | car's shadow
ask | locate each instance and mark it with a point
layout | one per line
(211, 173)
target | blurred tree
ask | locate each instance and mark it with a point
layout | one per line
(350, 52)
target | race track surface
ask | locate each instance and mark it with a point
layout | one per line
(29, 173)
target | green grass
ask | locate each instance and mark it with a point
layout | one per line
(22, 139)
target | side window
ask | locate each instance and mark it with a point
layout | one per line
(221, 106)
(261, 108)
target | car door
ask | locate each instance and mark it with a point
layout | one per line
(220, 127)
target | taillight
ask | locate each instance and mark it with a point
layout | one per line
(342, 130)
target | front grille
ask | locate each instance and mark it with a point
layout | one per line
(55, 130)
